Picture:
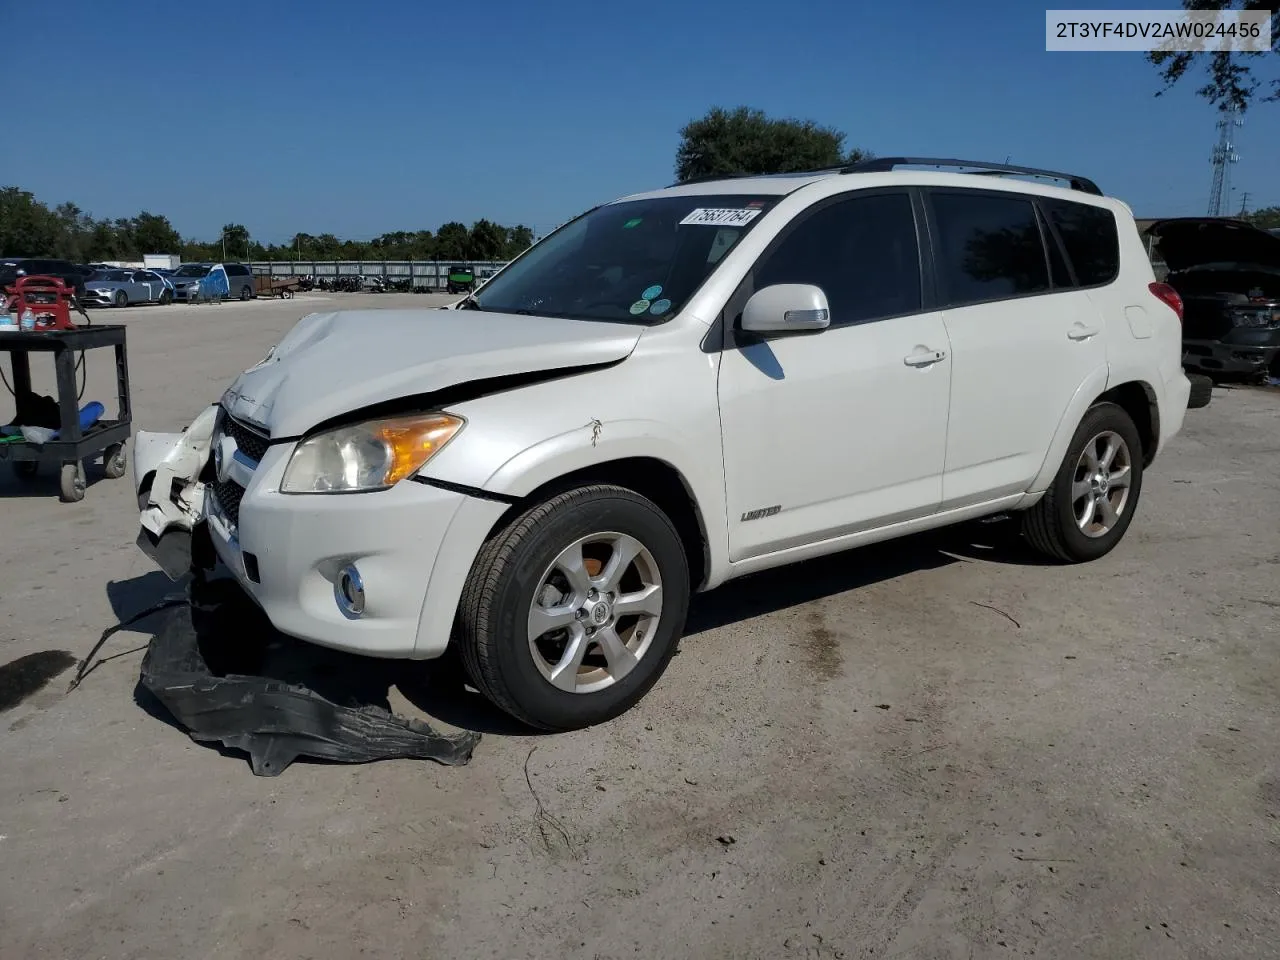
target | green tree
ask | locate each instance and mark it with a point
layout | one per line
(487, 240)
(1231, 77)
(742, 141)
(452, 240)
(519, 239)
(236, 238)
(1268, 218)
(155, 234)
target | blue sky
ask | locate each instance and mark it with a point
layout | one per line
(362, 118)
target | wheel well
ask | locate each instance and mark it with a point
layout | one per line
(1139, 401)
(654, 479)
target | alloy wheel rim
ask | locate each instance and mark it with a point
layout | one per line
(1101, 484)
(595, 612)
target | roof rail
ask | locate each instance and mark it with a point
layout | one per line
(838, 168)
(886, 164)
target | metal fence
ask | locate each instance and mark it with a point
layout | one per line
(427, 273)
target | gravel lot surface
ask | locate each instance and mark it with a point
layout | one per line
(935, 748)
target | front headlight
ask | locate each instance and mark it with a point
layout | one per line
(367, 456)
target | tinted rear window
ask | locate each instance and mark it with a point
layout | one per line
(989, 247)
(1090, 236)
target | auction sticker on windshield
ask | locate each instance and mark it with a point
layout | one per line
(720, 217)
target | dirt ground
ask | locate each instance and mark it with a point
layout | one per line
(939, 748)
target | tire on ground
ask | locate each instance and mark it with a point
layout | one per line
(491, 628)
(1050, 526)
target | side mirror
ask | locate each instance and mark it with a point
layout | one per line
(787, 308)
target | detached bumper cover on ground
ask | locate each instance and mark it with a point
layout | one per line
(276, 722)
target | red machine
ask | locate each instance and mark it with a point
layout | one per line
(48, 298)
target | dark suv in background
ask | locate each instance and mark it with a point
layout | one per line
(11, 268)
(1228, 274)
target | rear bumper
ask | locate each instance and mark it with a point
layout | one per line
(1214, 356)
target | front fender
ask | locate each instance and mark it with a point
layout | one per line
(599, 442)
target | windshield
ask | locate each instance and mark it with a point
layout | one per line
(115, 276)
(637, 261)
(192, 270)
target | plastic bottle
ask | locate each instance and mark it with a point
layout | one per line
(6, 320)
(28, 319)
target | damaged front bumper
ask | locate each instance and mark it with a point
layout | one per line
(167, 475)
(409, 547)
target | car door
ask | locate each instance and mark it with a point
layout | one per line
(841, 430)
(1023, 339)
(139, 289)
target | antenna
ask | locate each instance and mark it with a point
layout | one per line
(1224, 154)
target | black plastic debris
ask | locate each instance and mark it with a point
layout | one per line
(273, 720)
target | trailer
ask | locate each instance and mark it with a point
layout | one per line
(265, 285)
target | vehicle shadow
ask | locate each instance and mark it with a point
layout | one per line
(236, 636)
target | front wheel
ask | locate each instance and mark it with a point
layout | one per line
(246, 293)
(572, 612)
(1090, 503)
(166, 298)
(122, 299)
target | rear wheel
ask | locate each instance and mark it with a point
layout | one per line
(572, 612)
(246, 292)
(1090, 503)
(121, 298)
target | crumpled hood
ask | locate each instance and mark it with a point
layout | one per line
(330, 364)
(1195, 241)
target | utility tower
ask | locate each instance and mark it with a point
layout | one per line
(1224, 154)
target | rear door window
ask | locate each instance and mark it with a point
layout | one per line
(988, 247)
(1089, 233)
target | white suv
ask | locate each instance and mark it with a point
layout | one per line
(679, 388)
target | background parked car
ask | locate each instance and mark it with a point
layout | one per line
(119, 288)
(186, 279)
(1228, 275)
(11, 268)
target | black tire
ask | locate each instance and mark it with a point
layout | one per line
(71, 482)
(121, 299)
(166, 298)
(1050, 526)
(114, 461)
(1201, 391)
(246, 292)
(491, 630)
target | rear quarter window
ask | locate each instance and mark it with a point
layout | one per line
(1091, 239)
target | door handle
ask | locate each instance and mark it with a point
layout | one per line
(1081, 332)
(924, 357)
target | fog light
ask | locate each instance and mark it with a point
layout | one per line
(349, 592)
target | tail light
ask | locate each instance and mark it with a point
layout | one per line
(1168, 296)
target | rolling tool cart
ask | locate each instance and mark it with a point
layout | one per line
(81, 434)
